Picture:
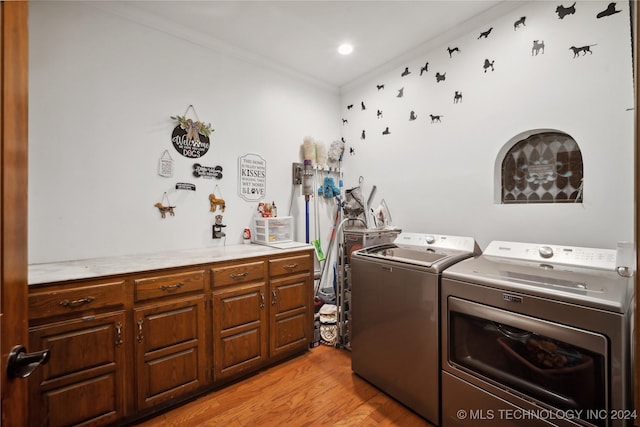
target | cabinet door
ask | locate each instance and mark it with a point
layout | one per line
(239, 330)
(291, 317)
(170, 351)
(83, 383)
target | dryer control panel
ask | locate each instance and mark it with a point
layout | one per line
(604, 259)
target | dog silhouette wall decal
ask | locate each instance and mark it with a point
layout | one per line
(538, 47)
(457, 97)
(564, 11)
(582, 49)
(349, 107)
(400, 93)
(440, 77)
(380, 87)
(379, 114)
(424, 69)
(452, 49)
(386, 131)
(488, 64)
(519, 22)
(363, 135)
(412, 116)
(362, 106)
(435, 119)
(485, 34)
(610, 10)
(406, 72)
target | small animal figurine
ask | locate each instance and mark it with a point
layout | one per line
(485, 34)
(215, 202)
(564, 11)
(519, 22)
(165, 209)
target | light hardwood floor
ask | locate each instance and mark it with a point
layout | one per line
(314, 389)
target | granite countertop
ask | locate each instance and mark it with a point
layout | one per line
(109, 266)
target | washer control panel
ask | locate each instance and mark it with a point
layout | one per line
(555, 254)
(435, 241)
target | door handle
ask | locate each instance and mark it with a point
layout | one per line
(22, 364)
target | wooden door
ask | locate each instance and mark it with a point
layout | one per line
(84, 382)
(291, 321)
(170, 350)
(239, 330)
(13, 204)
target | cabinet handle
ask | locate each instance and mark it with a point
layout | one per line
(77, 302)
(140, 336)
(274, 294)
(118, 334)
(239, 275)
(169, 287)
(290, 266)
(261, 300)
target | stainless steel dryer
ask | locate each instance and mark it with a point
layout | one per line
(536, 335)
(395, 306)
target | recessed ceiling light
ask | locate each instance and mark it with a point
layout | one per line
(345, 49)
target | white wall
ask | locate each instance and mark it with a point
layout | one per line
(102, 90)
(439, 178)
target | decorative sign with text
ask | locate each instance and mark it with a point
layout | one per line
(189, 143)
(252, 177)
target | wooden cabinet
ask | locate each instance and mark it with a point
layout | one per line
(291, 305)
(169, 337)
(239, 331)
(124, 346)
(84, 382)
(262, 313)
(240, 327)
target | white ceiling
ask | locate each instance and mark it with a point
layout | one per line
(301, 37)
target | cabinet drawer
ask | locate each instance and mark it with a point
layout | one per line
(238, 273)
(51, 303)
(289, 265)
(168, 285)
